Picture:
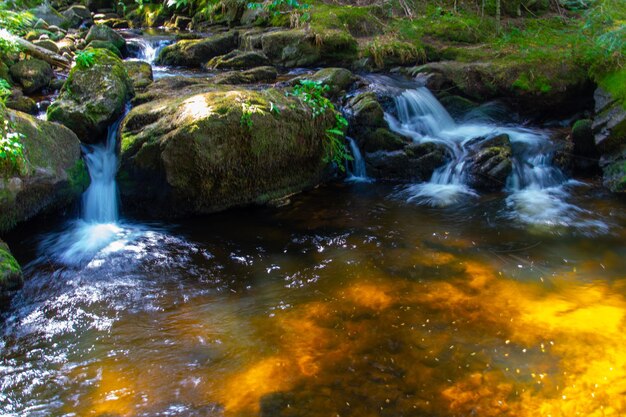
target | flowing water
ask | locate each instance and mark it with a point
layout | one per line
(356, 167)
(343, 303)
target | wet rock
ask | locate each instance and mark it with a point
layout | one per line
(609, 128)
(252, 76)
(456, 105)
(239, 60)
(106, 34)
(194, 53)
(140, 73)
(10, 273)
(584, 151)
(416, 162)
(77, 16)
(338, 79)
(32, 74)
(48, 14)
(93, 98)
(50, 176)
(204, 148)
(490, 164)
(17, 101)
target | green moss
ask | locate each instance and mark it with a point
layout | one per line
(388, 52)
(10, 270)
(532, 83)
(615, 176)
(358, 20)
(78, 177)
(615, 84)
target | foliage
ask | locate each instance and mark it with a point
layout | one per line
(311, 93)
(247, 110)
(178, 4)
(298, 12)
(12, 23)
(85, 59)
(11, 149)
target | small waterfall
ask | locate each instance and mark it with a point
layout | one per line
(100, 200)
(147, 49)
(356, 167)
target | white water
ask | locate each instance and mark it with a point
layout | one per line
(148, 49)
(356, 168)
(537, 189)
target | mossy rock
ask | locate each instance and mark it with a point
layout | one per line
(251, 76)
(106, 34)
(490, 163)
(17, 101)
(48, 44)
(96, 44)
(194, 53)
(32, 75)
(338, 79)
(50, 175)
(140, 73)
(215, 148)
(366, 111)
(11, 277)
(93, 98)
(239, 60)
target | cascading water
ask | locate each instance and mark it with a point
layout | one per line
(146, 49)
(537, 189)
(356, 168)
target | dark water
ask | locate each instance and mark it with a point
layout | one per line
(347, 302)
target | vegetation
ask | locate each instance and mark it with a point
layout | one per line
(11, 149)
(85, 59)
(312, 93)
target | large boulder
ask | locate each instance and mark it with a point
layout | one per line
(490, 162)
(140, 72)
(93, 98)
(18, 101)
(48, 15)
(300, 48)
(239, 60)
(339, 80)
(251, 76)
(77, 16)
(542, 89)
(106, 34)
(32, 74)
(10, 273)
(194, 53)
(609, 128)
(50, 175)
(205, 148)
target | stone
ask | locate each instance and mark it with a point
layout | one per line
(32, 75)
(17, 101)
(11, 277)
(194, 53)
(48, 44)
(140, 73)
(490, 163)
(252, 76)
(77, 16)
(106, 34)
(240, 60)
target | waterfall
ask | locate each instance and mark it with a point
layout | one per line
(356, 167)
(100, 200)
(147, 49)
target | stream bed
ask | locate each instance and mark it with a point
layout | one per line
(348, 301)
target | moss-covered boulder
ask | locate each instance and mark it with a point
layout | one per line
(140, 73)
(339, 80)
(106, 34)
(239, 60)
(10, 273)
(609, 128)
(50, 175)
(584, 150)
(32, 75)
(18, 101)
(194, 53)
(93, 98)
(77, 16)
(49, 15)
(105, 45)
(543, 89)
(301, 48)
(218, 147)
(490, 162)
(251, 76)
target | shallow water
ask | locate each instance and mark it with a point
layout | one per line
(346, 302)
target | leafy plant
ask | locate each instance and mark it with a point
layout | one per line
(85, 59)
(178, 4)
(247, 110)
(5, 89)
(298, 12)
(11, 149)
(311, 93)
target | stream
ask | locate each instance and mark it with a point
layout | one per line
(360, 298)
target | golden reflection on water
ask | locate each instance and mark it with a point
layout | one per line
(476, 343)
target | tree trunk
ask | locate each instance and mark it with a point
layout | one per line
(498, 12)
(42, 53)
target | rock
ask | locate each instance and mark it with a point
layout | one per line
(105, 45)
(48, 14)
(584, 150)
(40, 24)
(416, 162)
(98, 5)
(51, 176)
(17, 101)
(77, 16)
(115, 23)
(32, 74)
(252, 76)
(10, 273)
(544, 89)
(66, 45)
(140, 73)
(93, 98)
(457, 106)
(338, 79)
(300, 48)
(239, 60)
(194, 53)
(490, 163)
(185, 154)
(48, 44)
(609, 128)
(106, 34)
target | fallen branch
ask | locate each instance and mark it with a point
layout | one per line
(43, 53)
